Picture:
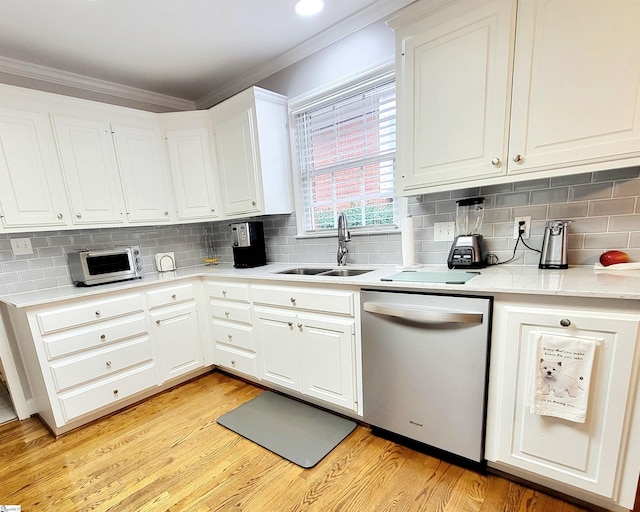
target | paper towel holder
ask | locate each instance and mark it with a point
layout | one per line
(165, 261)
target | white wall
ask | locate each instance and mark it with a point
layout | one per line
(371, 46)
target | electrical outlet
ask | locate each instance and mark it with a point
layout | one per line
(443, 231)
(21, 246)
(526, 227)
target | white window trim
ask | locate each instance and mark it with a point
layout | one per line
(333, 92)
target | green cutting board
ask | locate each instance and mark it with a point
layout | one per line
(450, 277)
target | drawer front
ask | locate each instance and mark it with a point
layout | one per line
(228, 291)
(101, 363)
(107, 392)
(234, 335)
(84, 338)
(88, 312)
(230, 311)
(170, 295)
(320, 300)
(244, 362)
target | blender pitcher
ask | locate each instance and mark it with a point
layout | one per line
(469, 216)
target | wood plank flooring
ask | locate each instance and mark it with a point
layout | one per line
(168, 453)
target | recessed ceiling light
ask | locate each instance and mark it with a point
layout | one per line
(309, 7)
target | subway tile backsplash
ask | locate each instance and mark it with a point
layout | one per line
(604, 208)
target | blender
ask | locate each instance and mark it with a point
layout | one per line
(468, 249)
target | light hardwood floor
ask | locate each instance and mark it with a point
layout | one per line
(168, 453)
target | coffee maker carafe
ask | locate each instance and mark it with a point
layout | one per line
(247, 240)
(468, 249)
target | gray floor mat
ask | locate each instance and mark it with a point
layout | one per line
(297, 432)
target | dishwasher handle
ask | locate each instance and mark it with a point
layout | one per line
(423, 315)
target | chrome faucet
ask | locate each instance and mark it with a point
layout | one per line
(343, 237)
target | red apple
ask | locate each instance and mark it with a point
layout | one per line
(613, 257)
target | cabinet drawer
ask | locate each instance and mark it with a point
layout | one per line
(170, 295)
(231, 311)
(108, 392)
(234, 335)
(101, 363)
(88, 312)
(84, 338)
(236, 360)
(321, 300)
(228, 291)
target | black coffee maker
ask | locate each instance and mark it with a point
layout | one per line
(247, 239)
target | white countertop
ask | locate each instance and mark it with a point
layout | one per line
(579, 281)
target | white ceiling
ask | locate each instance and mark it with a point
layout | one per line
(197, 50)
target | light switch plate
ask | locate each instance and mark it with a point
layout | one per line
(443, 231)
(21, 246)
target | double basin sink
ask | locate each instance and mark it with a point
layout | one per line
(333, 272)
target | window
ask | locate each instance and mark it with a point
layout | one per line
(345, 148)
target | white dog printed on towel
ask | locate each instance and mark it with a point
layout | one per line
(554, 380)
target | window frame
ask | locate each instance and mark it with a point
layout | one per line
(331, 93)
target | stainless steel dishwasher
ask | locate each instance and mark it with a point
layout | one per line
(425, 361)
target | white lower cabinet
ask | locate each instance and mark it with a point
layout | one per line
(302, 348)
(595, 460)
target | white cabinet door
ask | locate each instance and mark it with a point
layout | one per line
(576, 85)
(177, 336)
(586, 455)
(453, 94)
(193, 173)
(32, 191)
(144, 172)
(279, 350)
(235, 145)
(328, 359)
(89, 165)
(251, 142)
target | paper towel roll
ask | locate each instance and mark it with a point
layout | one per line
(408, 256)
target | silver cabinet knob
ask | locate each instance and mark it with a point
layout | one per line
(60, 216)
(103, 337)
(79, 215)
(97, 312)
(226, 313)
(213, 210)
(174, 297)
(108, 363)
(224, 293)
(166, 212)
(517, 158)
(115, 392)
(293, 300)
(233, 363)
(229, 336)
(565, 322)
(495, 162)
(299, 326)
(253, 203)
(157, 322)
(290, 324)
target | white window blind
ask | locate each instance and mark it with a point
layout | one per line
(346, 160)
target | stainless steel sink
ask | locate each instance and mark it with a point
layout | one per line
(346, 272)
(304, 271)
(339, 272)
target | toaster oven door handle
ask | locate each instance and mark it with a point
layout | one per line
(423, 315)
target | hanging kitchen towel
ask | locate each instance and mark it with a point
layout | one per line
(563, 376)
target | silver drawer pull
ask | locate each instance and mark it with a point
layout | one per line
(299, 326)
(233, 362)
(174, 296)
(97, 312)
(108, 363)
(157, 322)
(103, 337)
(290, 324)
(224, 292)
(115, 392)
(226, 313)
(293, 300)
(229, 336)
(565, 322)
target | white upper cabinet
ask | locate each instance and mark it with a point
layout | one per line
(453, 93)
(190, 156)
(483, 99)
(89, 165)
(251, 145)
(576, 86)
(32, 191)
(144, 172)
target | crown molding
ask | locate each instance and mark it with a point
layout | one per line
(64, 78)
(370, 14)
